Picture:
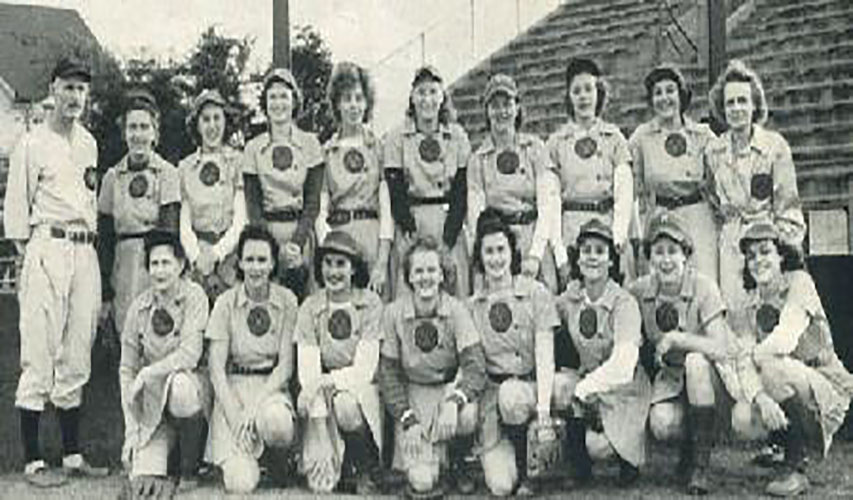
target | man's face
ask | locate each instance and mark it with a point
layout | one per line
(70, 95)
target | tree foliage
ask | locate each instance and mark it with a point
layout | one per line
(312, 67)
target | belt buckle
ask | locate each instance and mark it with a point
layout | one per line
(339, 217)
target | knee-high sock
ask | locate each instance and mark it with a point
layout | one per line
(30, 434)
(69, 426)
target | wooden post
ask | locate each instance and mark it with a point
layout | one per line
(280, 34)
(716, 39)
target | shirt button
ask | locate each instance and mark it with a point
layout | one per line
(439, 185)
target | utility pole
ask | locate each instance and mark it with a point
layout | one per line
(280, 34)
(716, 39)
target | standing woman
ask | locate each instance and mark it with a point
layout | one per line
(355, 198)
(754, 173)
(338, 332)
(592, 162)
(611, 395)
(795, 387)
(512, 173)
(516, 317)
(283, 174)
(251, 364)
(669, 168)
(214, 210)
(425, 166)
(140, 193)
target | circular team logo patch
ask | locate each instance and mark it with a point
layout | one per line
(508, 162)
(675, 145)
(90, 177)
(340, 325)
(586, 147)
(259, 321)
(429, 149)
(588, 323)
(354, 161)
(767, 318)
(761, 186)
(666, 317)
(209, 173)
(500, 317)
(282, 157)
(138, 186)
(162, 322)
(426, 336)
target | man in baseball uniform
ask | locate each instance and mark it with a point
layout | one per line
(50, 214)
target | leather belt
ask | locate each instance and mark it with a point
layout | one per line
(288, 215)
(84, 237)
(245, 370)
(130, 236)
(499, 378)
(679, 201)
(428, 200)
(341, 217)
(600, 206)
(211, 237)
(519, 218)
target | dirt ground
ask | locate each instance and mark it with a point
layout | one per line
(735, 478)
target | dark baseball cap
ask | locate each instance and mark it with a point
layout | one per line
(70, 67)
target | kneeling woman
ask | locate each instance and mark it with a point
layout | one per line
(431, 372)
(338, 330)
(251, 362)
(794, 385)
(612, 393)
(161, 347)
(684, 322)
(516, 317)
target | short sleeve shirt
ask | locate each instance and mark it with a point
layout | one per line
(338, 330)
(428, 347)
(429, 162)
(160, 328)
(208, 185)
(133, 197)
(282, 166)
(353, 172)
(698, 303)
(670, 163)
(255, 331)
(508, 322)
(51, 180)
(507, 178)
(594, 326)
(585, 159)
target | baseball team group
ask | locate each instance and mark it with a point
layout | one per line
(399, 301)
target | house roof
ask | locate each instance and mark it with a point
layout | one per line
(32, 39)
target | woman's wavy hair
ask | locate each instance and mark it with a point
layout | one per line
(346, 76)
(519, 117)
(574, 255)
(257, 233)
(159, 237)
(737, 71)
(229, 129)
(488, 223)
(427, 244)
(446, 112)
(578, 67)
(669, 72)
(792, 260)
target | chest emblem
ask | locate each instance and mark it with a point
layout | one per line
(209, 173)
(429, 149)
(340, 325)
(282, 158)
(354, 161)
(138, 186)
(426, 336)
(586, 147)
(259, 321)
(508, 162)
(675, 145)
(162, 322)
(500, 317)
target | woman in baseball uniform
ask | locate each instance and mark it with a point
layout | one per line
(140, 193)
(425, 166)
(512, 173)
(161, 345)
(684, 324)
(592, 162)
(213, 211)
(338, 332)
(516, 317)
(284, 173)
(611, 393)
(431, 373)
(355, 198)
(670, 172)
(794, 386)
(753, 170)
(251, 364)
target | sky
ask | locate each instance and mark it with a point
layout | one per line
(383, 35)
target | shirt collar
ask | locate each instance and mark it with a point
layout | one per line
(443, 309)
(762, 141)
(146, 298)
(370, 139)
(276, 299)
(155, 163)
(651, 288)
(359, 301)
(410, 128)
(575, 292)
(521, 287)
(488, 145)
